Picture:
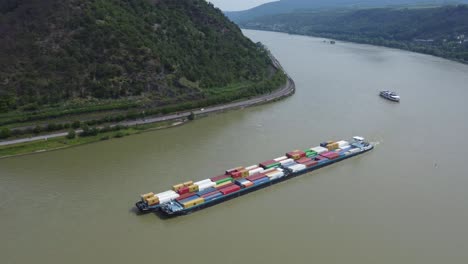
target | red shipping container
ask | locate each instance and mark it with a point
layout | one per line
(220, 177)
(234, 169)
(267, 163)
(230, 189)
(255, 177)
(236, 174)
(184, 190)
(185, 196)
(303, 160)
(330, 155)
(310, 163)
(291, 154)
(319, 157)
(209, 194)
(224, 186)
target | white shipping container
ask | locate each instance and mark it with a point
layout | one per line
(269, 170)
(251, 167)
(277, 175)
(255, 171)
(165, 193)
(345, 147)
(242, 180)
(354, 150)
(167, 199)
(280, 158)
(342, 143)
(202, 182)
(206, 185)
(272, 172)
(286, 161)
(319, 149)
(168, 195)
(298, 167)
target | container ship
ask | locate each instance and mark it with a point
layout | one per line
(190, 196)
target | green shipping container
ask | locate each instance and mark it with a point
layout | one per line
(224, 180)
(311, 153)
(273, 165)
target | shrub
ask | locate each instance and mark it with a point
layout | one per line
(5, 133)
(76, 124)
(37, 129)
(119, 134)
(71, 134)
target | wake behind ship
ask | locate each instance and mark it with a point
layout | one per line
(190, 196)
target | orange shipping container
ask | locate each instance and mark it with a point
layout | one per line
(153, 200)
(193, 188)
(187, 184)
(194, 202)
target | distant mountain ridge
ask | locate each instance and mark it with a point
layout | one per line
(440, 31)
(287, 6)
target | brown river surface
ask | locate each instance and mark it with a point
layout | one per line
(404, 202)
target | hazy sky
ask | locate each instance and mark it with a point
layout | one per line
(234, 5)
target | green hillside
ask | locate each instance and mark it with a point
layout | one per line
(440, 31)
(106, 54)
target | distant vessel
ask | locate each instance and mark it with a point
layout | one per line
(190, 196)
(392, 96)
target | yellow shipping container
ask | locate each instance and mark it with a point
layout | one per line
(223, 184)
(193, 188)
(147, 195)
(187, 184)
(244, 173)
(177, 187)
(296, 156)
(194, 202)
(153, 200)
(332, 146)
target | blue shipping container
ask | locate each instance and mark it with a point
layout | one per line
(291, 164)
(240, 181)
(262, 180)
(189, 199)
(212, 197)
(211, 189)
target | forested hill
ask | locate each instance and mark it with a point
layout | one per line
(287, 6)
(165, 51)
(441, 31)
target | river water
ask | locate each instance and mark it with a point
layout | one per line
(404, 202)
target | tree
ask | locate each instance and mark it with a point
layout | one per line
(76, 124)
(37, 129)
(52, 127)
(71, 134)
(5, 133)
(191, 116)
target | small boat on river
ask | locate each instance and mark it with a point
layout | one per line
(392, 96)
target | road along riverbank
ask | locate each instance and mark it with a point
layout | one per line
(42, 143)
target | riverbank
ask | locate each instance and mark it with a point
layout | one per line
(411, 29)
(57, 141)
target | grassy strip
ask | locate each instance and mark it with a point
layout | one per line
(213, 96)
(63, 142)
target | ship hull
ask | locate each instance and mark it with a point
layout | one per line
(254, 188)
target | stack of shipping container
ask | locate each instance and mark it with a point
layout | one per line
(189, 194)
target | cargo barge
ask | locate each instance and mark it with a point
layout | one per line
(191, 196)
